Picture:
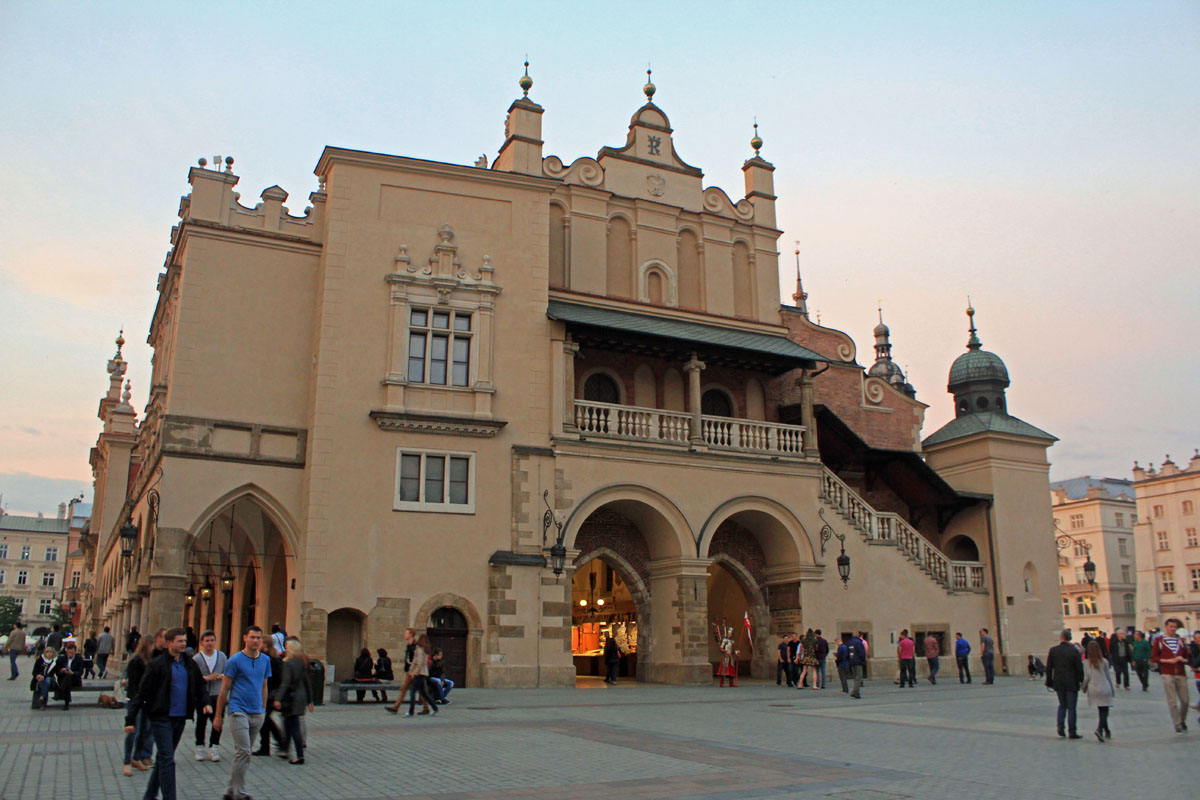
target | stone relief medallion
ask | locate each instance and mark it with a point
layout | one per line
(656, 185)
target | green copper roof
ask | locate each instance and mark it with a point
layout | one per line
(986, 422)
(977, 365)
(12, 522)
(682, 331)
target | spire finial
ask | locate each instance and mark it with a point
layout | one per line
(879, 308)
(128, 393)
(757, 141)
(973, 342)
(800, 298)
(120, 340)
(649, 88)
(526, 81)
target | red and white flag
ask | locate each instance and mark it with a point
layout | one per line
(749, 630)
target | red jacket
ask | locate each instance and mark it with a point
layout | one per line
(1159, 650)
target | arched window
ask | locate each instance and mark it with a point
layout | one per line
(600, 388)
(716, 403)
(1030, 578)
(981, 403)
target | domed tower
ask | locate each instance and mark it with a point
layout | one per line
(988, 453)
(884, 367)
(977, 378)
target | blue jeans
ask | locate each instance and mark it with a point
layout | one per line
(137, 744)
(442, 687)
(44, 687)
(102, 664)
(1066, 708)
(934, 666)
(989, 668)
(166, 734)
(821, 672)
(12, 660)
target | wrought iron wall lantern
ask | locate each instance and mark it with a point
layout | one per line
(843, 560)
(1064, 540)
(189, 597)
(206, 590)
(558, 552)
(227, 582)
(129, 534)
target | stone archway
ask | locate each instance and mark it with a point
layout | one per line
(465, 607)
(343, 641)
(729, 576)
(641, 647)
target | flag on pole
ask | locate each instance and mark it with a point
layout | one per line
(749, 630)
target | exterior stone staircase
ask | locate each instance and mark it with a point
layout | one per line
(890, 529)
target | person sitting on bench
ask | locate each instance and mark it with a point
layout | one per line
(43, 679)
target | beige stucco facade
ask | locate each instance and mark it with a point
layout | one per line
(33, 552)
(1168, 545)
(1094, 519)
(389, 406)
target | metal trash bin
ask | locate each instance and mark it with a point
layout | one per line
(316, 682)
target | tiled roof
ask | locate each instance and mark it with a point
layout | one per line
(1076, 488)
(680, 330)
(988, 422)
(12, 522)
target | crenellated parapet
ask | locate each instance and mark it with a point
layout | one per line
(213, 201)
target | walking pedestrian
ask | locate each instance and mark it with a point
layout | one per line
(612, 660)
(1098, 683)
(137, 743)
(270, 730)
(89, 656)
(856, 657)
(987, 654)
(278, 638)
(906, 654)
(420, 684)
(410, 649)
(1064, 674)
(1141, 659)
(170, 692)
(16, 647)
(962, 652)
(244, 694)
(1120, 654)
(1194, 652)
(105, 645)
(293, 700)
(211, 663)
(809, 660)
(841, 660)
(1171, 654)
(933, 651)
(55, 639)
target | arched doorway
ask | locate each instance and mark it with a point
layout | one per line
(728, 608)
(603, 604)
(962, 548)
(343, 641)
(447, 631)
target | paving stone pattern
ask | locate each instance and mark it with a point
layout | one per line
(646, 742)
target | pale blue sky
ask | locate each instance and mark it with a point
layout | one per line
(1041, 157)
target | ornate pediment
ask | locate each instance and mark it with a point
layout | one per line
(443, 270)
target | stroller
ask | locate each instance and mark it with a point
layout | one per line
(1036, 668)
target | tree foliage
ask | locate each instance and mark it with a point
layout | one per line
(10, 613)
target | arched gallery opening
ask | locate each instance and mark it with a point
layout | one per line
(602, 605)
(727, 611)
(240, 572)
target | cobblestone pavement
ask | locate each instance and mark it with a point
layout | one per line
(639, 741)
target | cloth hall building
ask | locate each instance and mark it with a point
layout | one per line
(398, 407)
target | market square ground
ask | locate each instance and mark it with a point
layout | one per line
(640, 741)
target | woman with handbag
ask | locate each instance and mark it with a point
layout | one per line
(293, 700)
(1099, 686)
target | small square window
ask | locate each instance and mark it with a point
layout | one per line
(431, 481)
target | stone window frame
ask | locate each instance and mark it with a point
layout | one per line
(45, 605)
(1163, 541)
(1086, 605)
(428, 507)
(1188, 507)
(1123, 546)
(22, 577)
(3, 551)
(26, 552)
(1166, 579)
(1194, 577)
(3, 575)
(451, 333)
(1129, 603)
(1076, 521)
(48, 579)
(52, 554)
(1191, 537)
(1066, 601)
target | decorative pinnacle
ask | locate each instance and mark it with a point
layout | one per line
(649, 88)
(757, 141)
(973, 342)
(128, 393)
(120, 340)
(526, 81)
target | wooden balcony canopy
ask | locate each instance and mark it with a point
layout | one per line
(676, 339)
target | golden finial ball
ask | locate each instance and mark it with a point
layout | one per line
(526, 83)
(756, 143)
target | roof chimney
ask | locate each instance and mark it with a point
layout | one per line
(62, 510)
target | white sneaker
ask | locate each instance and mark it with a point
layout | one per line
(213, 755)
(199, 753)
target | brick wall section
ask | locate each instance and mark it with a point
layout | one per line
(737, 542)
(607, 528)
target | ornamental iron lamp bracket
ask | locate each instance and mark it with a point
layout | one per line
(558, 552)
(1063, 540)
(843, 560)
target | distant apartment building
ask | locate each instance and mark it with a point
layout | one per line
(1168, 545)
(1095, 518)
(78, 513)
(32, 555)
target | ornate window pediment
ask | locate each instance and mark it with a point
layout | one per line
(440, 353)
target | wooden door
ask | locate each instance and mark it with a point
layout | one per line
(448, 631)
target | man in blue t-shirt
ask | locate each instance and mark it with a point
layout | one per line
(244, 693)
(962, 652)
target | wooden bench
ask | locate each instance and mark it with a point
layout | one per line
(342, 690)
(89, 686)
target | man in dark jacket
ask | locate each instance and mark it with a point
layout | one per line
(612, 660)
(68, 673)
(171, 690)
(822, 655)
(1120, 653)
(856, 657)
(1064, 674)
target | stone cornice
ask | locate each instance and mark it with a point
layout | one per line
(451, 425)
(363, 158)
